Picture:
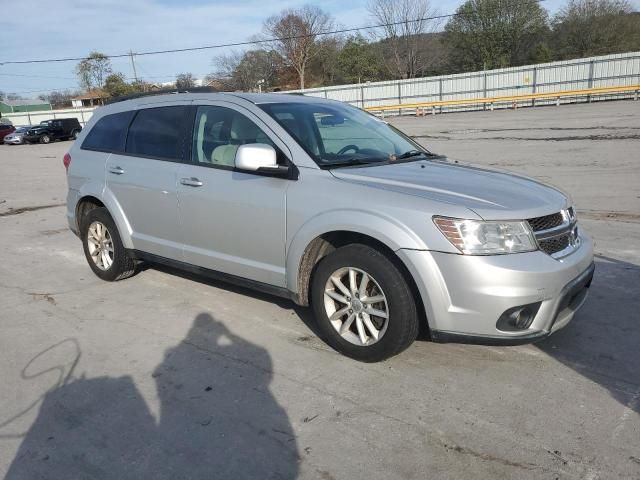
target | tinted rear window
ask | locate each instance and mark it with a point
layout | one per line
(109, 133)
(156, 132)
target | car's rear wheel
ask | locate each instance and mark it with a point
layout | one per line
(103, 248)
(363, 304)
(45, 139)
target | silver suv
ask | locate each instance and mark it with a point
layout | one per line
(326, 205)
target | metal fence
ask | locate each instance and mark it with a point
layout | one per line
(31, 118)
(605, 71)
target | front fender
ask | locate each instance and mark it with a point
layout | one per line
(385, 229)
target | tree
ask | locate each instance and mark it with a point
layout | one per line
(185, 81)
(2, 95)
(296, 33)
(495, 33)
(93, 70)
(359, 61)
(595, 27)
(58, 99)
(243, 70)
(116, 85)
(406, 22)
(324, 67)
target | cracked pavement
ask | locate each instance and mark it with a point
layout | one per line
(166, 375)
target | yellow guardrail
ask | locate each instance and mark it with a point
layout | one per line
(508, 99)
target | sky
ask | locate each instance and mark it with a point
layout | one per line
(73, 28)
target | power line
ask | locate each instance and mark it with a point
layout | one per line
(251, 42)
(35, 76)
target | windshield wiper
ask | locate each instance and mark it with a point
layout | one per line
(351, 162)
(412, 153)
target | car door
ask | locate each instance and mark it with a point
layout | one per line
(143, 178)
(232, 221)
(55, 129)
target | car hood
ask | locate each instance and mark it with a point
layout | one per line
(492, 194)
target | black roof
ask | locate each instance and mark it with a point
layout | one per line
(162, 91)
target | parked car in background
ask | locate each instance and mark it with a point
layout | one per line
(326, 205)
(50, 130)
(17, 136)
(5, 130)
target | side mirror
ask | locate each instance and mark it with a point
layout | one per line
(259, 158)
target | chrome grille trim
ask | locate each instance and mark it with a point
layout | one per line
(556, 234)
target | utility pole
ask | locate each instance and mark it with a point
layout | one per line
(133, 65)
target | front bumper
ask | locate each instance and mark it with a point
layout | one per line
(31, 138)
(464, 295)
(13, 140)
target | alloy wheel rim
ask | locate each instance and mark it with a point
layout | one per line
(356, 306)
(100, 245)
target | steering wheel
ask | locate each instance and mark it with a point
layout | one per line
(345, 149)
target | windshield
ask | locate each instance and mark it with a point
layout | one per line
(21, 129)
(340, 135)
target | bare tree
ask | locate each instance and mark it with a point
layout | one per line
(406, 24)
(243, 70)
(185, 81)
(93, 70)
(59, 98)
(296, 31)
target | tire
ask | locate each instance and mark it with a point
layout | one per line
(385, 281)
(74, 135)
(45, 139)
(121, 265)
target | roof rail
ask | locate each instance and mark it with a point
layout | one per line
(163, 91)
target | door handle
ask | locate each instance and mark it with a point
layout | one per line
(116, 170)
(191, 182)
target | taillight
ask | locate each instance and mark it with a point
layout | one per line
(66, 161)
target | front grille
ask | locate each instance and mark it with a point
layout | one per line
(555, 244)
(545, 223)
(556, 233)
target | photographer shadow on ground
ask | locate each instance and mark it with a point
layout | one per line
(217, 419)
(603, 342)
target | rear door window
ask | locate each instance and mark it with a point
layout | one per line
(109, 133)
(157, 133)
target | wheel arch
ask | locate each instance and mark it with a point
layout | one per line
(90, 200)
(325, 243)
(85, 205)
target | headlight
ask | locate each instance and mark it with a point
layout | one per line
(477, 237)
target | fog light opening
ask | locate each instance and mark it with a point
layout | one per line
(518, 318)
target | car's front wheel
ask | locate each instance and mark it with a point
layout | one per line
(45, 139)
(363, 304)
(103, 248)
